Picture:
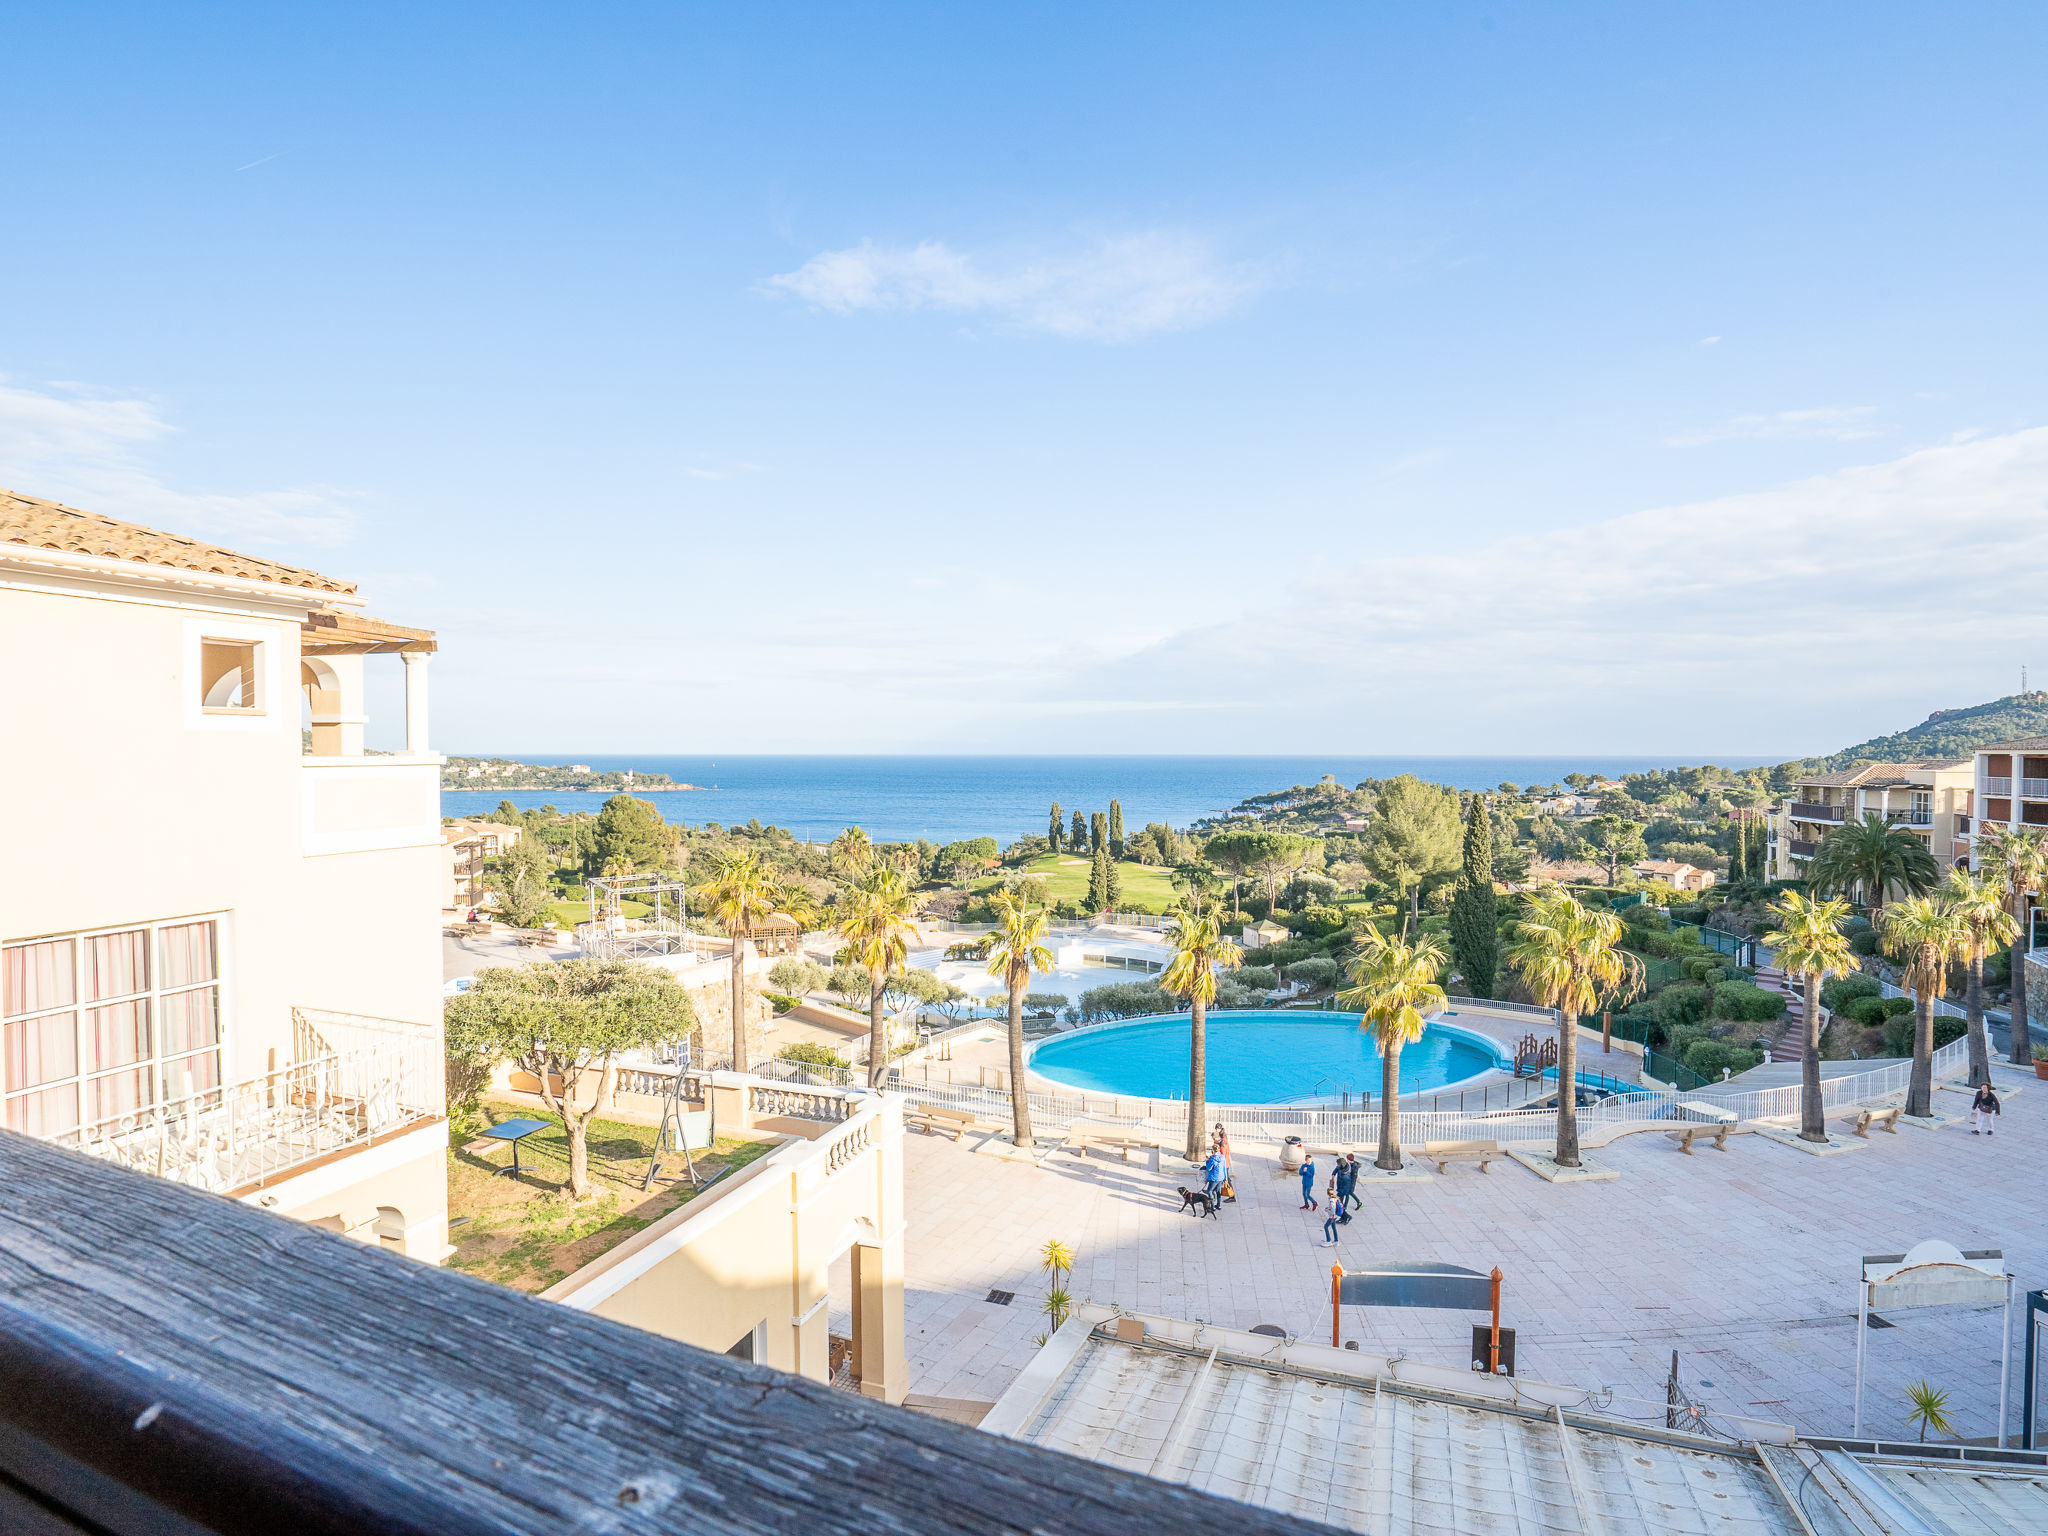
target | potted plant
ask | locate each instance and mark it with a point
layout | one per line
(2041, 1061)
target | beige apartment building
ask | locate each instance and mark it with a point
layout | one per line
(219, 949)
(1932, 800)
(466, 847)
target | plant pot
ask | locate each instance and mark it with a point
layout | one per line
(2041, 1069)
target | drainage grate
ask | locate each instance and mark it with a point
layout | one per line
(1002, 1298)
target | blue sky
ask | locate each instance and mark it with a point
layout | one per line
(1199, 378)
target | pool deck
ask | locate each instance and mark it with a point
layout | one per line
(1742, 1261)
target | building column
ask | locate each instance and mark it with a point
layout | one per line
(416, 701)
(337, 712)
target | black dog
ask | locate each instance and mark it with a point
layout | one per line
(1197, 1202)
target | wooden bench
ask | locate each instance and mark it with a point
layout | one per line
(1082, 1137)
(528, 938)
(1718, 1131)
(470, 930)
(934, 1118)
(1444, 1153)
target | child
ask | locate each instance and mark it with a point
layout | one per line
(1336, 1216)
(1308, 1183)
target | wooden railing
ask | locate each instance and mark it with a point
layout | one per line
(173, 1361)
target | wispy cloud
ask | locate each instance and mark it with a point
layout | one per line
(1833, 605)
(1118, 289)
(1836, 423)
(74, 444)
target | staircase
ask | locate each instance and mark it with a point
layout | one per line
(1791, 1042)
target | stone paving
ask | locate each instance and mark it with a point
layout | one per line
(1743, 1261)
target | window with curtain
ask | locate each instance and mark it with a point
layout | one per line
(95, 1026)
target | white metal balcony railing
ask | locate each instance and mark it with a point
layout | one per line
(227, 1139)
(2034, 789)
(1997, 786)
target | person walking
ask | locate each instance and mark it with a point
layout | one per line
(1308, 1182)
(1341, 1186)
(1982, 1108)
(1213, 1171)
(1223, 1148)
(1355, 1175)
(1336, 1216)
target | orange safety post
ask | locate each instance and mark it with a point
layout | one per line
(1336, 1315)
(1493, 1350)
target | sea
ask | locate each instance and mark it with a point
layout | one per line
(898, 799)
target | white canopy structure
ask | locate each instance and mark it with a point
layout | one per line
(1935, 1274)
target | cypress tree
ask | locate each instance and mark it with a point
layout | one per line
(1057, 829)
(1098, 881)
(1098, 832)
(1077, 840)
(1116, 829)
(1112, 883)
(1475, 942)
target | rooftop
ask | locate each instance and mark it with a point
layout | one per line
(1871, 775)
(2018, 744)
(34, 523)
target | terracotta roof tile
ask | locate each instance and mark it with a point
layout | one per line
(38, 524)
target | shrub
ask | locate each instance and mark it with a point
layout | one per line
(1837, 990)
(1898, 1032)
(1645, 917)
(1232, 994)
(1259, 978)
(1681, 1038)
(1679, 1004)
(1864, 1010)
(782, 1000)
(1706, 968)
(1749, 1004)
(1044, 1002)
(1691, 912)
(811, 1053)
(1897, 1004)
(1317, 971)
(849, 983)
(1126, 1000)
(1318, 921)
(1864, 943)
(1708, 1057)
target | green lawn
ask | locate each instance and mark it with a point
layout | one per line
(570, 913)
(1145, 888)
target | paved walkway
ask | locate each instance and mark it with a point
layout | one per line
(1744, 1261)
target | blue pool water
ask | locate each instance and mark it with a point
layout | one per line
(1257, 1057)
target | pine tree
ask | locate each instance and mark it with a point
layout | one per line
(1112, 883)
(1116, 829)
(1057, 829)
(1098, 881)
(1475, 941)
(1077, 840)
(1098, 832)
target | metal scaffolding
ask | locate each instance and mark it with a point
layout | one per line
(611, 935)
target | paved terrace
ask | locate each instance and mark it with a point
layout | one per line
(1745, 1262)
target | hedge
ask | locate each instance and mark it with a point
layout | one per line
(1708, 1057)
(1837, 990)
(1898, 1033)
(1864, 1010)
(1749, 1004)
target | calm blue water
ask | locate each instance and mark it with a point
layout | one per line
(945, 798)
(1255, 1057)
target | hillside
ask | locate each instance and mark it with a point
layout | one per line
(1951, 733)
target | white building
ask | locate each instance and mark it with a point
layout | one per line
(219, 950)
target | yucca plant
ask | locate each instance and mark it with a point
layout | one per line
(1057, 1260)
(1929, 1409)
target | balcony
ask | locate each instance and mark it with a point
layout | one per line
(1993, 786)
(363, 804)
(1811, 810)
(1910, 818)
(1801, 850)
(356, 1080)
(2034, 789)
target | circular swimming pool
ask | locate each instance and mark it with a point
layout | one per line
(1257, 1057)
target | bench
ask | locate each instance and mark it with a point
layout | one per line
(1866, 1117)
(1718, 1131)
(470, 930)
(1444, 1153)
(1082, 1137)
(528, 938)
(934, 1118)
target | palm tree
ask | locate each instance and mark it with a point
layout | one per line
(2016, 860)
(1199, 952)
(1394, 986)
(740, 894)
(1812, 946)
(1980, 903)
(1015, 949)
(1570, 958)
(1876, 856)
(876, 926)
(851, 852)
(1926, 935)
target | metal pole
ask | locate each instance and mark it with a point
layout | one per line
(1336, 1283)
(1493, 1349)
(1862, 1328)
(2004, 1357)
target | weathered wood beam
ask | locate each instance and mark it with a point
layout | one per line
(170, 1360)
